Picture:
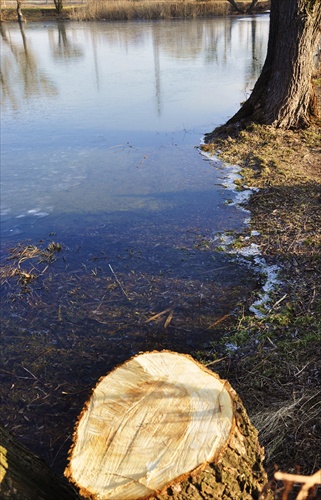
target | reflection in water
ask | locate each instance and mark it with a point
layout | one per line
(103, 161)
(211, 41)
(219, 42)
(63, 48)
(127, 84)
(21, 76)
(157, 69)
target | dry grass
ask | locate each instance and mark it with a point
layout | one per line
(124, 10)
(127, 9)
(276, 367)
(149, 9)
(297, 413)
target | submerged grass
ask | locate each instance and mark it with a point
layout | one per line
(274, 361)
(90, 309)
(23, 261)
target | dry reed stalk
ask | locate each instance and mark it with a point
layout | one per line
(149, 9)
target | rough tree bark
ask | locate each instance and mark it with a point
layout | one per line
(283, 96)
(24, 476)
(163, 426)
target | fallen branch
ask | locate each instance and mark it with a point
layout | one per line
(307, 481)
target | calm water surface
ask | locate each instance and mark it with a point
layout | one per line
(100, 126)
(103, 117)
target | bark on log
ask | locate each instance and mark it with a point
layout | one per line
(24, 476)
(163, 426)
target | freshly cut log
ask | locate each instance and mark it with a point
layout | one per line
(153, 424)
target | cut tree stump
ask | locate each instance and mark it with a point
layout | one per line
(163, 426)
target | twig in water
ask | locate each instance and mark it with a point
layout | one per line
(59, 450)
(218, 321)
(34, 376)
(99, 305)
(158, 314)
(169, 318)
(118, 282)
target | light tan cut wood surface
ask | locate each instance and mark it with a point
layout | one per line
(153, 419)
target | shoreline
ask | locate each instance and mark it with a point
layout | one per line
(124, 10)
(275, 369)
(275, 366)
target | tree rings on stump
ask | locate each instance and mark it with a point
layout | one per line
(149, 424)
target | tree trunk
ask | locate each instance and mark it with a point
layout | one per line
(23, 476)
(235, 6)
(59, 5)
(163, 426)
(283, 96)
(252, 6)
(19, 12)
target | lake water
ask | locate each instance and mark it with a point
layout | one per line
(103, 117)
(100, 128)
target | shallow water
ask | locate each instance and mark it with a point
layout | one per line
(101, 124)
(103, 117)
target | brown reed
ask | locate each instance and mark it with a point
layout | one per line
(124, 10)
